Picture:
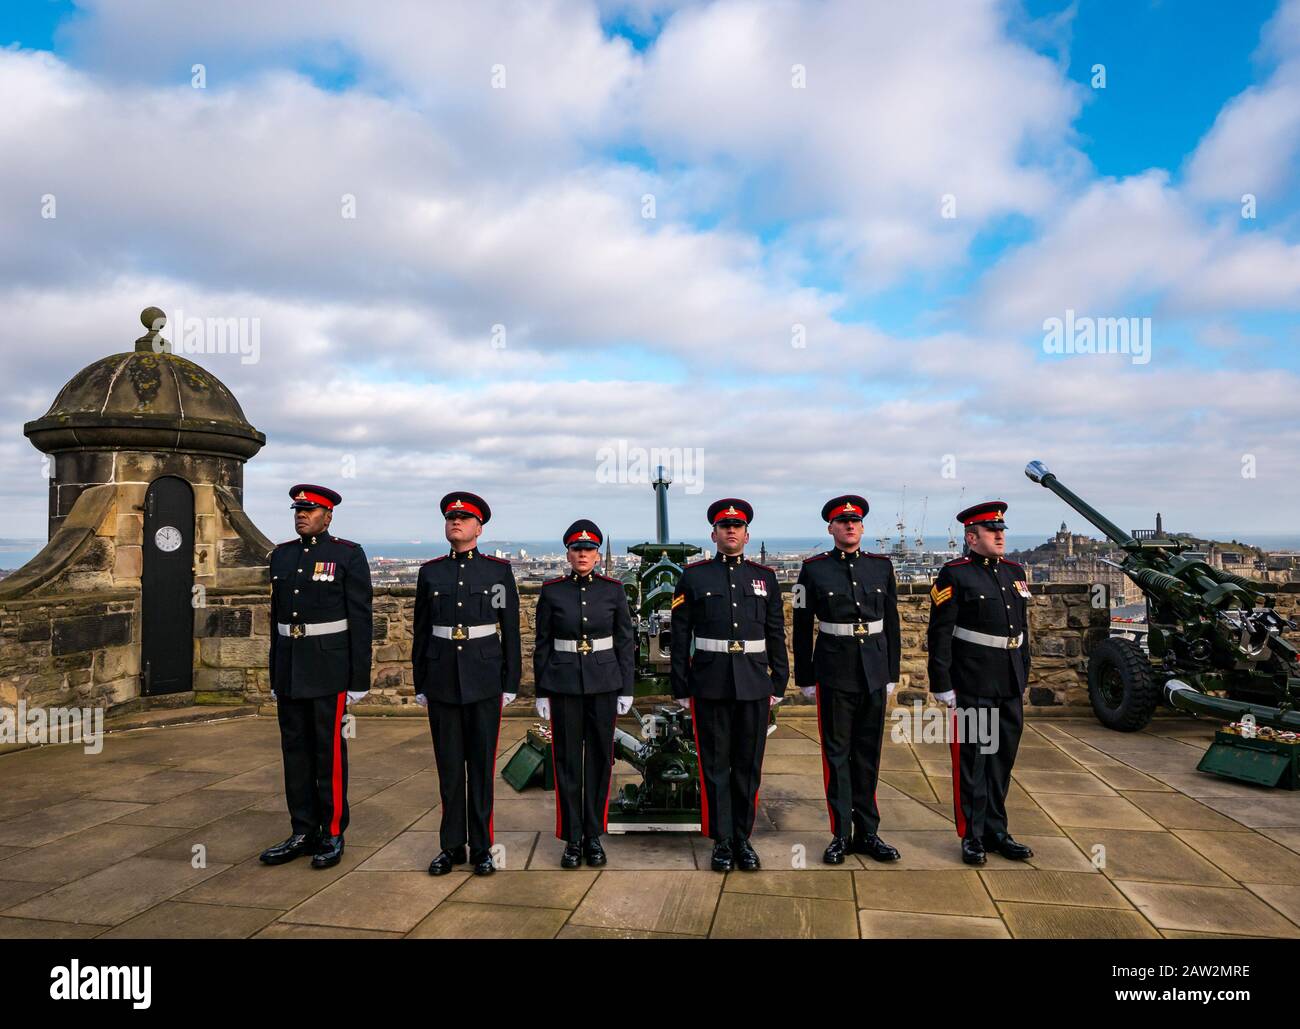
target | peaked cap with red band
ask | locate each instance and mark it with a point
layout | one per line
(465, 503)
(730, 509)
(988, 514)
(848, 506)
(306, 496)
(583, 534)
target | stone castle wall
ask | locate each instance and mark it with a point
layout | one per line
(84, 648)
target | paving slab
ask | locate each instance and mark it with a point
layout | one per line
(279, 887)
(1149, 856)
(762, 917)
(117, 893)
(177, 920)
(1094, 812)
(1247, 858)
(1040, 886)
(387, 901)
(1175, 811)
(73, 857)
(1056, 922)
(455, 921)
(1207, 909)
(45, 825)
(564, 888)
(676, 902)
(909, 925)
(932, 892)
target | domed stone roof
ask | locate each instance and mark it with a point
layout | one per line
(149, 399)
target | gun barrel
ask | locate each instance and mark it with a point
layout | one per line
(1185, 698)
(661, 484)
(630, 749)
(1037, 471)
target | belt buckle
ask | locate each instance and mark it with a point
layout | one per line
(859, 629)
(736, 647)
(459, 633)
(297, 631)
(584, 647)
(1012, 643)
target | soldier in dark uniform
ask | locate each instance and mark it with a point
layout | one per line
(729, 659)
(979, 665)
(466, 659)
(851, 671)
(320, 662)
(583, 665)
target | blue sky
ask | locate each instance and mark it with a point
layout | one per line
(798, 310)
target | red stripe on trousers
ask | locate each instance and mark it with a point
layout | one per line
(338, 765)
(956, 779)
(699, 762)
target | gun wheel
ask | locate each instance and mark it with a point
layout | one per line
(1120, 685)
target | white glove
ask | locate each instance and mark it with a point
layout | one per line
(507, 698)
(774, 700)
(808, 691)
(889, 688)
(354, 696)
(949, 698)
(422, 700)
(543, 706)
(624, 705)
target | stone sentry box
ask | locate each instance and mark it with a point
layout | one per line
(70, 619)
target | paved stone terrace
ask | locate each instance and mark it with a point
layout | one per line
(102, 846)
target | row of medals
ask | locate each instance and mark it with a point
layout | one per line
(320, 575)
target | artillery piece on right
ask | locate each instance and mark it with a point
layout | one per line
(1215, 647)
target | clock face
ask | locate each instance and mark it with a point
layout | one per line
(168, 538)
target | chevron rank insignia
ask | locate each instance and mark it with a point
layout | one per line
(680, 598)
(940, 596)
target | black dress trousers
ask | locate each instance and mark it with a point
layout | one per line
(315, 763)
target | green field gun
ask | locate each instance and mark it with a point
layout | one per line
(1214, 647)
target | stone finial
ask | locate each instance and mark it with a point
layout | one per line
(153, 319)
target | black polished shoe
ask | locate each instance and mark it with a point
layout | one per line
(295, 846)
(443, 863)
(330, 852)
(593, 852)
(972, 852)
(874, 847)
(483, 863)
(746, 856)
(722, 856)
(572, 856)
(834, 854)
(1007, 847)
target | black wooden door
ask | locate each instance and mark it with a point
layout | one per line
(167, 582)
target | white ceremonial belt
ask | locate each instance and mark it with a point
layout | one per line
(985, 639)
(585, 646)
(732, 646)
(852, 628)
(300, 629)
(464, 632)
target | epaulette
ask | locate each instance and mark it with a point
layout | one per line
(1007, 560)
(608, 578)
(882, 557)
(493, 557)
(701, 561)
(765, 568)
(558, 578)
(434, 560)
(817, 557)
(346, 543)
(288, 543)
(958, 561)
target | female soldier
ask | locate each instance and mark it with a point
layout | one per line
(582, 666)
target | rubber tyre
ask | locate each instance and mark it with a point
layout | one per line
(1121, 687)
